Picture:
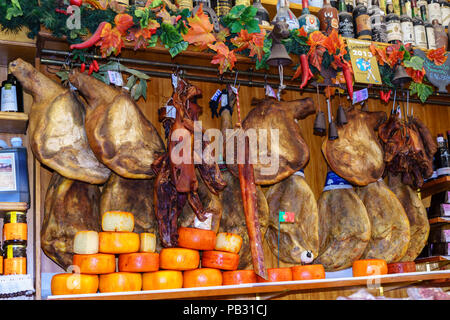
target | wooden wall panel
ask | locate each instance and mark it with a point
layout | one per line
(159, 91)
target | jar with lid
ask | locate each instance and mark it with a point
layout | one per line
(15, 226)
(14, 258)
(362, 21)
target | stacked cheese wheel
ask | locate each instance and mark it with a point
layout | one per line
(95, 253)
(140, 268)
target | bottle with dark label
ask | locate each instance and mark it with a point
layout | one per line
(420, 38)
(11, 98)
(443, 157)
(349, 5)
(308, 21)
(420, 4)
(393, 28)
(223, 7)
(261, 13)
(434, 11)
(362, 21)
(407, 26)
(345, 21)
(328, 18)
(377, 20)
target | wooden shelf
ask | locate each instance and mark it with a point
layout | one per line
(439, 220)
(435, 186)
(260, 288)
(15, 45)
(13, 206)
(432, 259)
(13, 122)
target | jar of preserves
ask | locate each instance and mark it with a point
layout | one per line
(14, 258)
(15, 226)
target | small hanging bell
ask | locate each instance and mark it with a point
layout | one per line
(400, 76)
(332, 131)
(341, 117)
(320, 128)
(278, 54)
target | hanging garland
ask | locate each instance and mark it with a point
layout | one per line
(322, 57)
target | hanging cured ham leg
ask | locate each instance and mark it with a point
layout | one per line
(56, 130)
(117, 130)
(357, 156)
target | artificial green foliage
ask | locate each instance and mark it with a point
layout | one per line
(241, 17)
(296, 44)
(415, 62)
(169, 35)
(263, 63)
(422, 90)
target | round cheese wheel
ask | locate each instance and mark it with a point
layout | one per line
(74, 283)
(308, 272)
(120, 281)
(203, 277)
(118, 221)
(118, 242)
(85, 242)
(369, 267)
(163, 279)
(179, 259)
(276, 274)
(228, 242)
(148, 242)
(401, 267)
(197, 239)
(220, 260)
(98, 263)
(238, 277)
(139, 262)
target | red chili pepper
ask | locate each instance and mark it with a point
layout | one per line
(92, 40)
(91, 69)
(385, 96)
(382, 95)
(306, 71)
(62, 11)
(77, 3)
(348, 79)
(83, 67)
(96, 67)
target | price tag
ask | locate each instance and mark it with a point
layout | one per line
(270, 92)
(360, 95)
(174, 80)
(115, 77)
(364, 63)
(224, 100)
(171, 112)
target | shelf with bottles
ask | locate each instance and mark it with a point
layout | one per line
(13, 45)
(13, 122)
(435, 186)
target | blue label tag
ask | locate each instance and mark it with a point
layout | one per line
(334, 181)
(360, 95)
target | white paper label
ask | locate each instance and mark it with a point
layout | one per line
(115, 77)
(224, 100)
(7, 172)
(171, 112)
(434, 12)
(205, 225)
(420, 37)
(9, 98)
(430, 38)
(393, 31)
(407, 32)
(445, 209)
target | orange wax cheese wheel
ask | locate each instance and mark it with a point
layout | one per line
(197, 239)
(238, 277)
(139, 262)
(228, 242)
(179, 259)
(85, 242)
(277, 274)
(118, 242)
(308, 272)
(401, 267)
(161, 280)
(203, 277)
(1, 265)
(120, 281)
(118, 221)
(148, 242)
(74, 283)
(369, 267)
(98, 263)
(15, 231)
(220, 260)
